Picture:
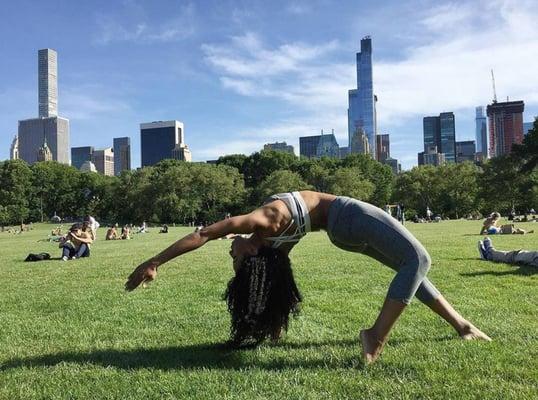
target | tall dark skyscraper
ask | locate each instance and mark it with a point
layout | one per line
(505, 126)
(161, 140)
(481, 134)
(361, 112)
(122, 154)
(441, 132)
(447, 123)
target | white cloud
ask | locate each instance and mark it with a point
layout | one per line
(137, 28)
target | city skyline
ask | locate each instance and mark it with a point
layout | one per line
(253, 84)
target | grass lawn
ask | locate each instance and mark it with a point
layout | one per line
(68, 330)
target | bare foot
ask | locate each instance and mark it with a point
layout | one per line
(471, 332)
(371, 346)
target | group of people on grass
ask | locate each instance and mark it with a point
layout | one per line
(263, 293)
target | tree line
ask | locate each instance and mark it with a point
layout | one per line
(180, 192)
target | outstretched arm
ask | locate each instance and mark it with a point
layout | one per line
(147, 271)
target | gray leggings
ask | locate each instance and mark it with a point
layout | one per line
(360, 227)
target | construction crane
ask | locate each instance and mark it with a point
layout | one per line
(494, 90)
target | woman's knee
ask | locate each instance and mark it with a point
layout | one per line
(424, 262)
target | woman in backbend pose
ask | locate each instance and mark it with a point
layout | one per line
(277, 226)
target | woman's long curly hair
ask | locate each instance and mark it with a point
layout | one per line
(261, 297)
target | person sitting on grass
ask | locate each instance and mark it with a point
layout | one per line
(125, 232)
(111, 233)
(76, 243)
(521, 257)
(164, 229)
(490, 225)
(260, 263)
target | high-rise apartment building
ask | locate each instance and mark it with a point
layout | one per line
(465, 151)
(14, 149)
(49, 126)
(382, 147)
(158, 140)
(481, 134)
(319, 146)
(279, 146)
(48, 83)
(33, 132)
(440, 132)
(79, 155)
(122, 154)
(104, 161)
(361, 112)
(505, 126)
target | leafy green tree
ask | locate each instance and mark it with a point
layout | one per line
(458, 189)
(502, 184)
(260, 165)
(348, 182)
(234, 160)
(418, 188)
(15, 191)
(378, 174)
(279, 182)
(55, 188)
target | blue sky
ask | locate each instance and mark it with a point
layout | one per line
(239, 74)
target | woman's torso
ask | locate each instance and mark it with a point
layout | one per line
(282, 219)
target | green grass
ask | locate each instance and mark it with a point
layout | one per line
(68, 330)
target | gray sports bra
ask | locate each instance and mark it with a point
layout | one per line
(299, 217)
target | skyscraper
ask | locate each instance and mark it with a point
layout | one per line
(383, 147)
(32, 133)
(122, 154)
(505, 126)
(465, 151)
(481, 134)
(104, 161)
(79, 155)
(158, 140)
(447, 123)
(48, 83)
(49, 126)
(361, 111)
(440, 132)
(319, 146)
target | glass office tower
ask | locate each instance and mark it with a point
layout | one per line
(122, 154)
(361, 111)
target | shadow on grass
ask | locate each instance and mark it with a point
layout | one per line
(524, 270)
(209, 355)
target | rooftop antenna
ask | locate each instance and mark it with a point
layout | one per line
(322, 132)
(494, 90)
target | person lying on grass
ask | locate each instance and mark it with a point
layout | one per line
(263, 292)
